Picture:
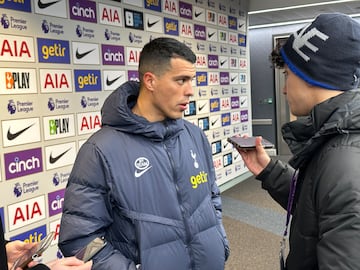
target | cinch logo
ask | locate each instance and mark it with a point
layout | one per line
(83, 10)
(185, 10)
(20, 5)
(56, 200)
(112, 55)
(88, 122)
(201, 78)
(224, 78)
(55, 80)
(53, 51)
(214, 104)
(199, 32)
(198, 179)
(154, 5)
(87, 80)
(133, 75)
(23, 163)
(110, 15)
(170, 7)
(16, 48)
(60, 126)
(244, 116)
(213, 61)
(235, 102)
(26, 212)
(225, 119)
(171, 26)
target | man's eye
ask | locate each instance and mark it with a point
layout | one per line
(181, 81)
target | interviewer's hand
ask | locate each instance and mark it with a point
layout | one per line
(255, 160)
(69, 263)
(15, 249)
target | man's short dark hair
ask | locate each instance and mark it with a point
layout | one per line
(156, 55)
(276, 58)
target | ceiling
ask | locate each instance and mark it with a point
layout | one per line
(304, 13)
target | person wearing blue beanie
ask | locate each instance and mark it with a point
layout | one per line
(320, 185)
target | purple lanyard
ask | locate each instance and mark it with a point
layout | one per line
(291, 199)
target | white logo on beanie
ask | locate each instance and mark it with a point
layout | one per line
(301, 40)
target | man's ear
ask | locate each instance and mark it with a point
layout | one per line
(148, 80)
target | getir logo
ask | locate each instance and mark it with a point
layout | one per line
(26, 212)
(31, 236)
(198, 179)
(23, 163)
(16, 48)
(53, 51)
(21, 5)
(87, 80)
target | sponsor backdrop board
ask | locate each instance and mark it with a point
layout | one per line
(61, 59)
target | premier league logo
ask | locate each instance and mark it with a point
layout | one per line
(51, 104)
(11, 106)
(5, 21)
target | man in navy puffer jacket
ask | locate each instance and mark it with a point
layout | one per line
(145, 181)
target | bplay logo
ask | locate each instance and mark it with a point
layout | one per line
(56, 200)
(88, 122)
(23, 163)
(17, 48)
(60, 155)
(59, 126)
(21, 131)
(53, 51)
(83, 10)
(27, 212)
(17, 81)
(153, 5)
(110, 15)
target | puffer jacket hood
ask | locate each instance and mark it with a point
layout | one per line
(327, 119)
(116, 112)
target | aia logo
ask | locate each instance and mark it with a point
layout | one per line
(16, 48)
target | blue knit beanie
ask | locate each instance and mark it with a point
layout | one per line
(326, 53)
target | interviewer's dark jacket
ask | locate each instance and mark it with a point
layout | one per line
(325, 230)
